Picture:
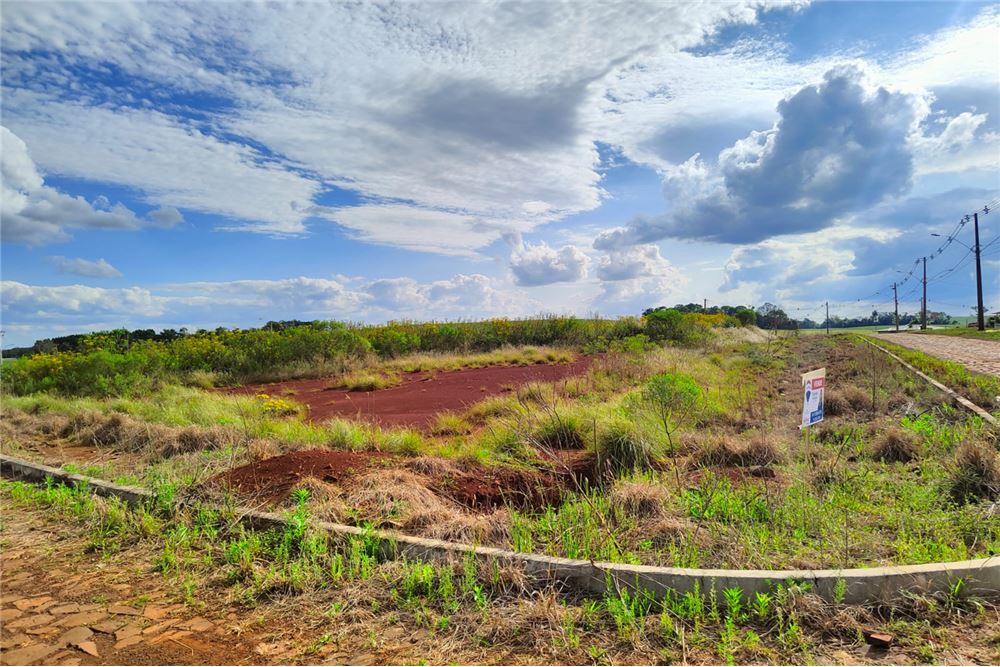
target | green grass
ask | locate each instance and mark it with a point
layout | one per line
(980, 388)
(207, 555)
(963, 332)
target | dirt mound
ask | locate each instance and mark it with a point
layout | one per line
(475, 486)
(420, 397)
(491, 487)
(273, 479)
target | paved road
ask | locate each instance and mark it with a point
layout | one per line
(976, 355)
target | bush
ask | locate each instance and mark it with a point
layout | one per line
(668, 324)
(673, 398)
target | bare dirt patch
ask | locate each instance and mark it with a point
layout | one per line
(419, 397)
(473, 486)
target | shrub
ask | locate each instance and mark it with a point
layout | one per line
(668, 324)
(673, 398)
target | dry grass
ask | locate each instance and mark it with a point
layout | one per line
(399, 498)
(488, 529)
(760, 449)
(127, 434)
(642, 499)
(894, 445)
(975, 473)
(433, 466)
(846, 399)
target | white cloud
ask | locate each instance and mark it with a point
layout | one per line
(534, 265)
(85, 267)
(397, 294)
(173, 164)
(428, 230)
(478, 115)
(32, 304)
(35, 214)
(227, 303)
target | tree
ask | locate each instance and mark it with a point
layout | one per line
(770, 316)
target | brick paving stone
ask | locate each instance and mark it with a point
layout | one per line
(83, 618)
(14, 640)
(65, 609)
(10, 614)
(25, 604)
(107, 627)
(982, 356)
(128, 641)
(75, 635)
(128, 631)
(159, 627)
(124, 610)
(155, 612)
(27, 655)
(35, 621)
(90, 648)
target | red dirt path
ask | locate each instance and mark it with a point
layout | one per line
(420, 397)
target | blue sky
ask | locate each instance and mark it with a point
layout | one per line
(222, 164)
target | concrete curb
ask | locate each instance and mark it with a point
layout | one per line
(857, 586)
(961, 400)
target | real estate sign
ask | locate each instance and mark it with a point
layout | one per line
(813, 385)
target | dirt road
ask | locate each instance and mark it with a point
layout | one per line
(982, 356)
(420, 397)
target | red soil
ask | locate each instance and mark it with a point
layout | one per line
(475, 486)
(420, 397)
(273, 478)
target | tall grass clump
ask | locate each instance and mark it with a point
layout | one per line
(621, 447)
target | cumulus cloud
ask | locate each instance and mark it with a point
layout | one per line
(396, 294)
(33, 303)
(486, 114)
(838, 147)
(85, 267)
(35, 214)
(540, 264)
(43, 309)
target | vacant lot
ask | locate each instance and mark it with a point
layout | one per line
(682, 454)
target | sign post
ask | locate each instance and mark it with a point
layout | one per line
(813, 386)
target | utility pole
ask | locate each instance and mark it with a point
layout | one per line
(827, 318)
(923, 305)
(981, 324)
(895, 303)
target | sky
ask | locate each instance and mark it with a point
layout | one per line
(227, 163)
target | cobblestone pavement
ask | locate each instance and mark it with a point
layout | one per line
(982, 356)
(63, 606)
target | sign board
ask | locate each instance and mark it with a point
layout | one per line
(813, 386)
